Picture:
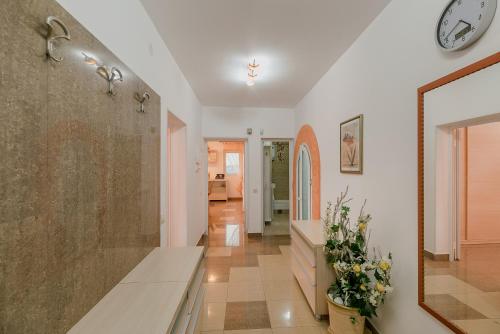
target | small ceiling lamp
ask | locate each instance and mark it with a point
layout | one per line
(252, 73)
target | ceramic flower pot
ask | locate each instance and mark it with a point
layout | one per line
(344, 320)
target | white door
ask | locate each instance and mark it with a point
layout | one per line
(304, 183)
(233, 166)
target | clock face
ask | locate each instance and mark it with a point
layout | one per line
(463, 22)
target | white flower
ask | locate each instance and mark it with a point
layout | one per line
(339, 301)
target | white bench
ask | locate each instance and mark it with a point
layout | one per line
(163, 294)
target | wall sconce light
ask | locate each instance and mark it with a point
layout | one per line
(111, 75)
(89, 60)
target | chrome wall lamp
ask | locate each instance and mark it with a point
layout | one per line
(52, 38)
(142, 99)
(110, 74)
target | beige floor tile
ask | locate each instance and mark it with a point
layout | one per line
(213, 332)
(215, 292)
(276, 273)
(213, 316)
(245, 292)
(286, 313)
(486, 326)
(447, 284)
(487, 303)
(280, 225)
(219, 251)
(244, 274)
(271, 260)
(298, 330)
(285, 251)
(283, 290)
(251, 331)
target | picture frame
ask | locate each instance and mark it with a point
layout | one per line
(351, 145)
(212, 156)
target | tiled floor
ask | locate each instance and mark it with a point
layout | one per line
(467, 291)
(279, 226)
(250, 288)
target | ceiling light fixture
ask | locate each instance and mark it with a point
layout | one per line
(252, 73)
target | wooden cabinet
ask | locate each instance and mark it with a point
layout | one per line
(309, 264)
(163, 294)
(217, 190)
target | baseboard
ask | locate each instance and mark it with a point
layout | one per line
(479, 242)
(370, 326)
(437, 257)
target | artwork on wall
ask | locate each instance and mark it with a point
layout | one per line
(212, 156)
(351, 145)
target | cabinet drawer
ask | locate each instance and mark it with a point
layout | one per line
(308, 290)
(182, 320)
(196, 286)
(195, 319)
(309, 272)
(300, 245)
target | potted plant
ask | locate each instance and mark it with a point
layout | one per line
(362, 282)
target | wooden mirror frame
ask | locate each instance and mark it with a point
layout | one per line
(478, 66)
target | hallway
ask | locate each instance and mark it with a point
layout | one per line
(249, 284)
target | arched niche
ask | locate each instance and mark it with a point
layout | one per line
(307, 137)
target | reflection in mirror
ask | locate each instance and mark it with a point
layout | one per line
(461, 201)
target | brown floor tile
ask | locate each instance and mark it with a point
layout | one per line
(218, 261)
(451, 308)
(217, 273)
(246, 315)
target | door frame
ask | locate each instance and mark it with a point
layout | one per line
(246, 180)
(176, 234)
(291, 146)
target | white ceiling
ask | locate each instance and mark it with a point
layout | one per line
(296, 41)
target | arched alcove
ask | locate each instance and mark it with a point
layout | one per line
(307, 137)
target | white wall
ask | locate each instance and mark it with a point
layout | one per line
(126, 29)
(379, 76)
(231, 123)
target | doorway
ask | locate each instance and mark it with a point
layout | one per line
(176, 229)
(226, 192)
(304, 184)
(477, 159)
(276, 187)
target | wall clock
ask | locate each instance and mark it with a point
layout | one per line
(463, 22)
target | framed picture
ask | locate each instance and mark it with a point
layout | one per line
(212, 156)
(351, 145)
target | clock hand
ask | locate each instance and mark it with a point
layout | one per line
(455, 27)
(464, 31)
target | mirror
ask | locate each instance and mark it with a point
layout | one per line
(459, 198)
